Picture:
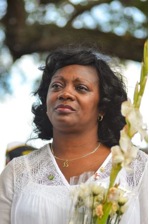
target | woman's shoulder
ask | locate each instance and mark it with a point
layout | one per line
(27, 168)
(25, 163)
(30, 157)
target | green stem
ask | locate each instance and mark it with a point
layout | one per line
(106, 210)
(107, 206)
(116, 219)
(140, 87)
(114, 172)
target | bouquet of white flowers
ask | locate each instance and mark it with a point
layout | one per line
(96, 204)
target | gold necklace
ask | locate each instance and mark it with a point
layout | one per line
(66, 161)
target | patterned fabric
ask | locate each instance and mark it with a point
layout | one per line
(34, 190)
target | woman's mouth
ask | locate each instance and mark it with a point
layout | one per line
(64, 109)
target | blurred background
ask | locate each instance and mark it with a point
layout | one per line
(30, 29)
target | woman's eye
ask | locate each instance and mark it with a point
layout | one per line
(56, 86)
(82, 88)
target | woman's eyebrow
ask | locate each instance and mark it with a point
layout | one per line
(86, 80)
(76, 80)
(57, 77)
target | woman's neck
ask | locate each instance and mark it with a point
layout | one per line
(71, 146)
(74, 144)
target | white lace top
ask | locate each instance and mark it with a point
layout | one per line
(33, 190)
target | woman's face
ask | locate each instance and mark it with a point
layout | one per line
(73, 98)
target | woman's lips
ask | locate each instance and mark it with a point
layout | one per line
(64, 109)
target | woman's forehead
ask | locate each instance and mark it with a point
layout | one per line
(77, 73)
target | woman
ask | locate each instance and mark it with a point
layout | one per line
(79, 107)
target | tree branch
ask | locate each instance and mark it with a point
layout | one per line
(43, 38)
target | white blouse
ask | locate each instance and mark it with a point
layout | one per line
(33, 190)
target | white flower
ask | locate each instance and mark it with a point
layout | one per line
(124, 158)
(71, 222)
(123, 208)
(114, 194)
(129, 150)
(126, 108)
(97, 189)
(117, 155)
(134, 119)
(125, 152)
(122, 200)
(125, 141)
(83, 191)
(88, 202)
(115, 207)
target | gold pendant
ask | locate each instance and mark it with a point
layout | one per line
(65, 163)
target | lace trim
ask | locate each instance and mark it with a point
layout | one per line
(38, 167)
(137, 169)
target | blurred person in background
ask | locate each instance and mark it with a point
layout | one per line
(16, 149)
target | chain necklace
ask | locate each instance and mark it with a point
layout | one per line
(66, 161)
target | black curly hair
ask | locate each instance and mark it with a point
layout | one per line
(112, 92)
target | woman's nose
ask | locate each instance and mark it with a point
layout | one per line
(65, 95)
